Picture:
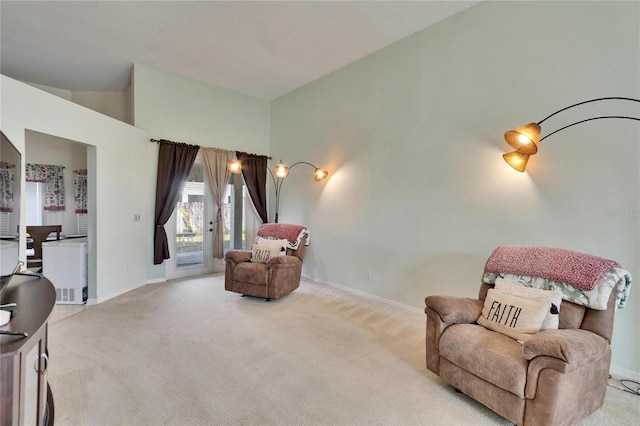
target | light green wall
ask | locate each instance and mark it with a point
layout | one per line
(172, 107)
(419, 194)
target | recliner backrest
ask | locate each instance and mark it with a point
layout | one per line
(299, 253)
(573, 316)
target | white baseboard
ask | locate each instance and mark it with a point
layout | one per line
(119, 293)
(125, 290)
(616, 372)
(380, 299)
(95, 301)
(621, 373)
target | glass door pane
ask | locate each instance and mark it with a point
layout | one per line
(233, 214)
(190, 221)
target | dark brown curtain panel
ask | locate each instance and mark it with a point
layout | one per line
(174, 165)
(254, 172)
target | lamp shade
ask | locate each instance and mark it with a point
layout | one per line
(525, 138)
(320, 174)
(281, 170)
(517, 160)
(234, 166)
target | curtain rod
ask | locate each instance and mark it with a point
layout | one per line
(255, 155)
(166, 140)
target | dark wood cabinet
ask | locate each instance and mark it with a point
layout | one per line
(25, 396)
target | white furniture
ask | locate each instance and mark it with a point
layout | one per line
(64, 263)
(8, 256)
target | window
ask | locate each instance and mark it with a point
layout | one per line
(190, 226)
(4, 223)
(35, 203)
(233, 214)
(82, 223)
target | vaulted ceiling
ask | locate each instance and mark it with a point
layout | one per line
(260, 48)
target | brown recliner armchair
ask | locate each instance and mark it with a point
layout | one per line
(557, 376)
(277, 277)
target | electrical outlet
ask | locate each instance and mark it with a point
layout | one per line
(136, 217)
(368, 275)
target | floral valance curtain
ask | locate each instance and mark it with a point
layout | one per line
(53, 179)
(7, 178)
(80, 190)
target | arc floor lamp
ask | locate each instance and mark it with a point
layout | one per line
(279, 173)
(525, 139)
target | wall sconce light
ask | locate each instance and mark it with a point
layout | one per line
(279, 173)
(526, 139)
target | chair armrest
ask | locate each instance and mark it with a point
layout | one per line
(455, 310)
(573, 346)
(284, 260)
(238, 256)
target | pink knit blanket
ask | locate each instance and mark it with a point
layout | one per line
(281, 230)
(577, 269)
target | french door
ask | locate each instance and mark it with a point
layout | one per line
(190, 228)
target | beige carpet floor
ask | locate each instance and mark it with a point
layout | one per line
(188, 353)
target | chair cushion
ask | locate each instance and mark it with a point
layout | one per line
(248, 272)
(490, 355)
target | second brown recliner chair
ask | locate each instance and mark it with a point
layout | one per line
(278, 276)
(555, 376)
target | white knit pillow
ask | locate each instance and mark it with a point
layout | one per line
(273, 242)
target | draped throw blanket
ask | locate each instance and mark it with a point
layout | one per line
(580, 270)
(53, 179)
(293, 233)
(573, 273)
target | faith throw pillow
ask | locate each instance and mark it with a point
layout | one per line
(554, 297)
(261, 254)
(513, 316)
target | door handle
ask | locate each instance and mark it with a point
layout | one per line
(36, 364)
